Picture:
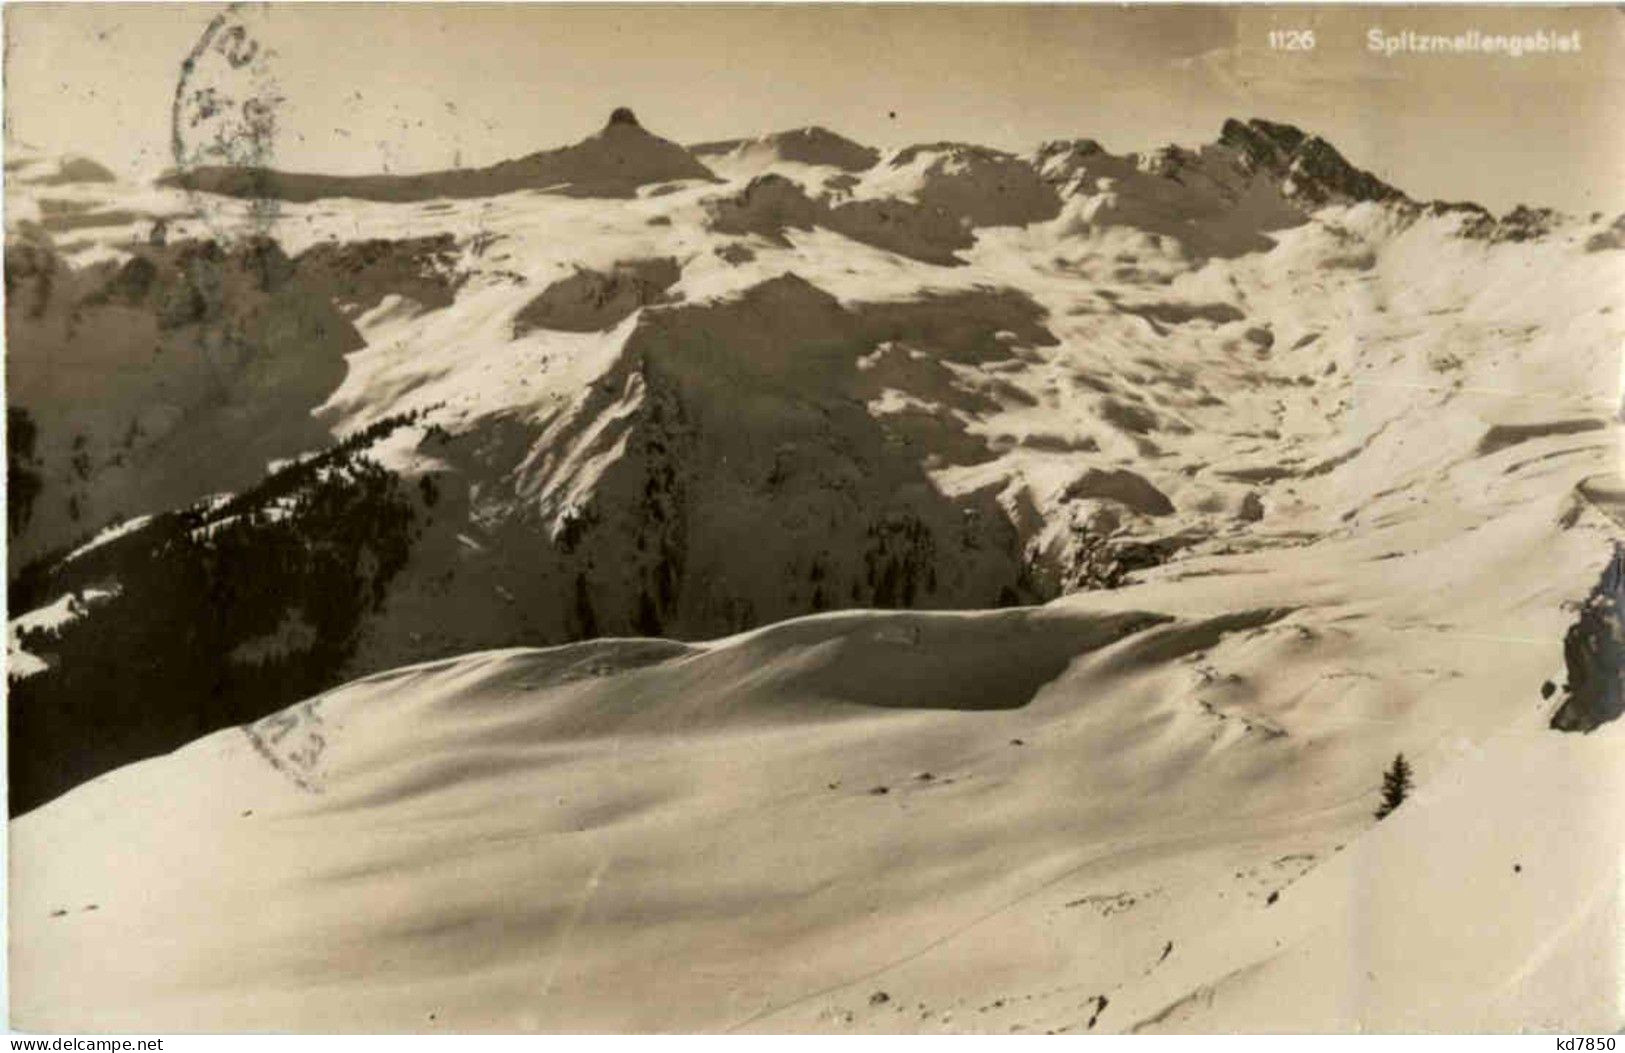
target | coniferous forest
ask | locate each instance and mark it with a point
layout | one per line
(205, 618)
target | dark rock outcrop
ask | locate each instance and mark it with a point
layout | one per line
(1315, 173)
(359, 274)
(1127, 488)
(1594, 653)
(1609, 238)
(812, 145)
(770, 204)
(179, 371)
(591, 301)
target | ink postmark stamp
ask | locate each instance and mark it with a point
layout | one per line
(224, 119)
(294, 742)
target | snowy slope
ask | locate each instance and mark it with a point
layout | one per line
(1284, 473)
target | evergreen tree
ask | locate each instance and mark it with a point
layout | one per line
(1396, 785)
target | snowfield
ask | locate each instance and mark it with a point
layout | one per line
(828, 589)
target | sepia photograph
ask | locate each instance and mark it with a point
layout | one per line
(814, 519)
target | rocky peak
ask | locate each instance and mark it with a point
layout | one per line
(1313, 169)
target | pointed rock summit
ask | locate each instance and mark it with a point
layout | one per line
(1314, 170)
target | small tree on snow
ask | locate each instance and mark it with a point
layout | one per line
(1396, 785)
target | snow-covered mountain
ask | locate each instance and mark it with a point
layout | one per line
(1078, 537)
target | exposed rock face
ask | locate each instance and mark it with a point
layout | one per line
(984, 187)
(805, 146)
(751, 481)
(1500, 436)
(820, 146)
(1313, 483)
(206, 617)
(907, 228)
(638, 419)
(924, 202)
(1463, 208)
(1520, 223)
(1097, 562)
(590, 301)
(1315, 172)
(1223, 199)
(359, 274)
(220, 357)
(63, 171)
(771, 204)
(1123, 486)
(1594, 653)
(767, 206)
(1609, 238)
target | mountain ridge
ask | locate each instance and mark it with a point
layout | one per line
(1270, 144)
(614, 162)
